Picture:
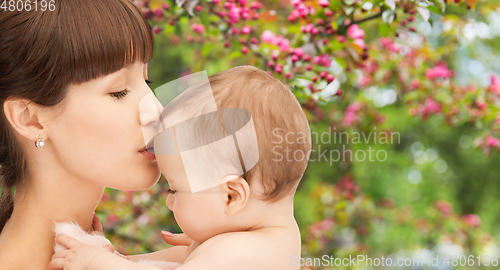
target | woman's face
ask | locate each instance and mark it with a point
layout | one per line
(98, 136)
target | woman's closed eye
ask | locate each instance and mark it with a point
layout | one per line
(120, 94)
(171, 191)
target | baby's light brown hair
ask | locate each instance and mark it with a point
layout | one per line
(282, 129)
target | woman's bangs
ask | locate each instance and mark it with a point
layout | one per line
(103, 37)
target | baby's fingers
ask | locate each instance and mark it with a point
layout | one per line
(67, 241)
(57, 264)
(176, 239)
(60, 254)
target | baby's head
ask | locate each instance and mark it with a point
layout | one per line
(228, 146)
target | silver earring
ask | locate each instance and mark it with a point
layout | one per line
(40, 143)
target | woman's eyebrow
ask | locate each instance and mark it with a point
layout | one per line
(115, 79)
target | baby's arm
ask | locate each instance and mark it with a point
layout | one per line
(172, 254)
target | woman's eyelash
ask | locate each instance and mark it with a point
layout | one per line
(171, 191)
(120, 94)
(149, 82)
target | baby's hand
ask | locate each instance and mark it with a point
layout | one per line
(78, 256)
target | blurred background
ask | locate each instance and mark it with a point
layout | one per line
(403, 100)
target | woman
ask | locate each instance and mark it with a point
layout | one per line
(70, 85)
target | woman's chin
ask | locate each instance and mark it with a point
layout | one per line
(136, 184)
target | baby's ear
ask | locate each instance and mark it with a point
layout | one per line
(238, 193)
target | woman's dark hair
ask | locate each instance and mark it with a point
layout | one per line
(43, 52)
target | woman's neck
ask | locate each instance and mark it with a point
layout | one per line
(27, 239)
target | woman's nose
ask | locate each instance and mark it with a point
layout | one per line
(150, 110)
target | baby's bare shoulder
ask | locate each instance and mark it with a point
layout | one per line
(260, 249)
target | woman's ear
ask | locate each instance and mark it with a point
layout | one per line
(238, 193)
(22, 116)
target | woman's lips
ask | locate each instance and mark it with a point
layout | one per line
(147, 154)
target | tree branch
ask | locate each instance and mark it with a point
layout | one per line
(374, 16)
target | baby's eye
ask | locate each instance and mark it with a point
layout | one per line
(171, 191)
(120, 94)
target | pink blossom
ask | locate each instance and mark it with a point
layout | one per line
(324, 3)
(350, 115)
(234, 30)
(322, 226)
(284, 45)
(198, 28)
(390, 45)
(300, 10)
(301, 7)
(246, 30)
(299, 52)
(360, 43)
(112, 218)
(256, 5)
(444, 206)
(472, 220)
(431, 106)
(495, 84)
(293, 16)
(323, 60)
(414, 84)
(309, 27)
(481, 104)
(394, 47)
(295, 3)
(371, 67)
(147, 13)
(492, 141)
(271, 38)
(234, 14)
(364, 80)
(355, 32)
(341, 39)
(330, 78)
(245, 15)
(158, 12)
(279, 68)
(267, 37)
(439, 71)
(243, 2)
(353, 107)
(349, 119)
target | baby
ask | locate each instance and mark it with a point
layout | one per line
(233, 149)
